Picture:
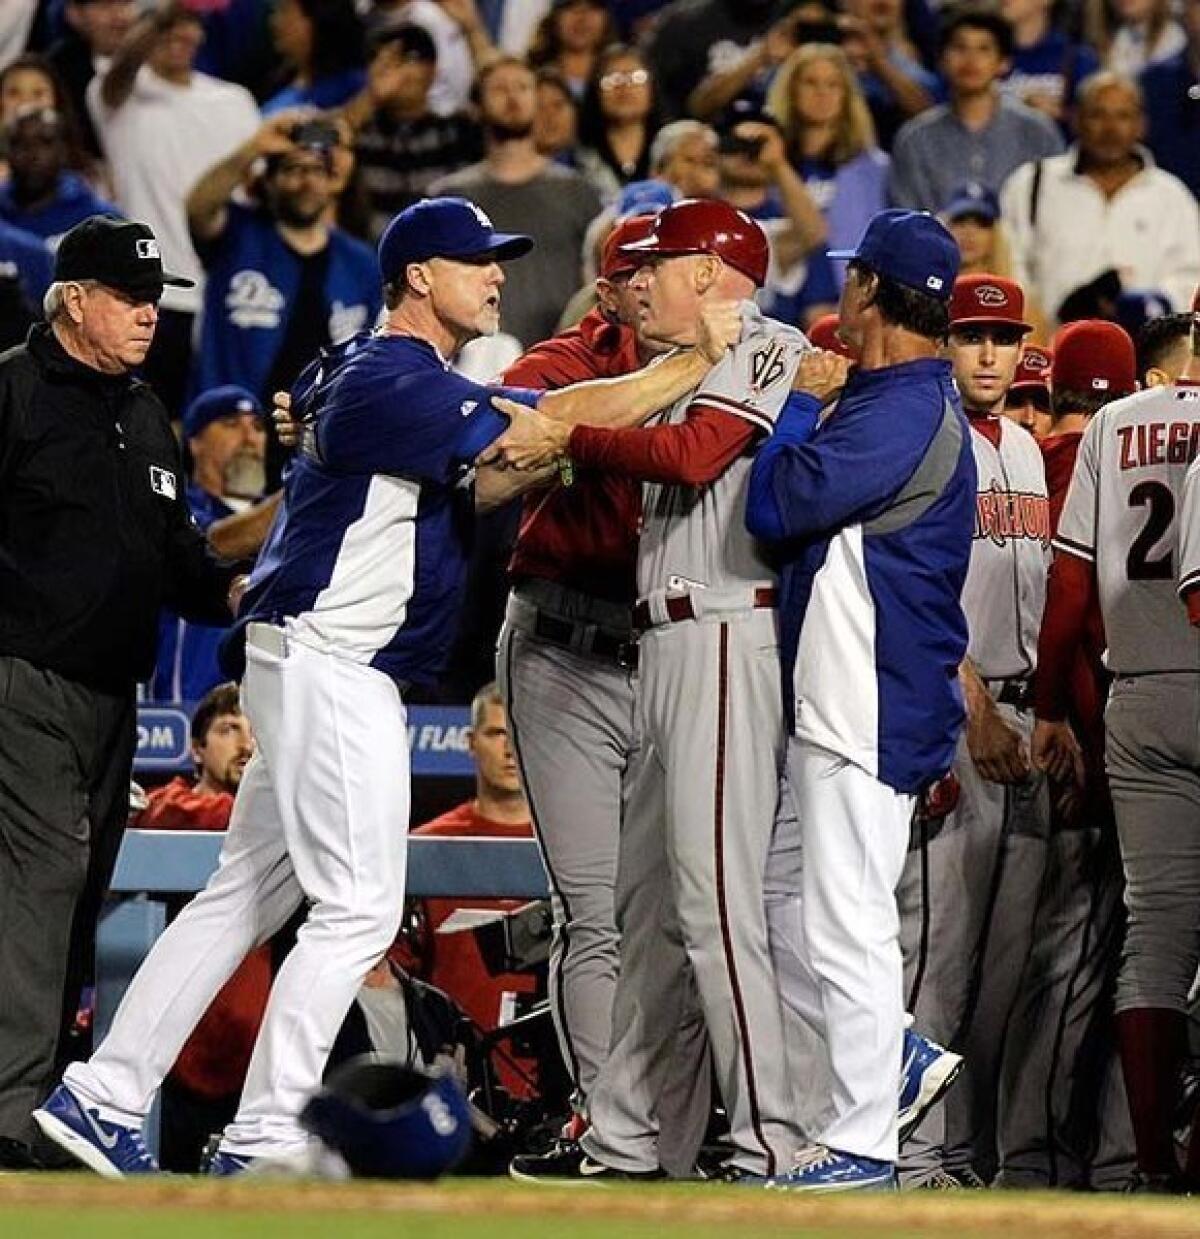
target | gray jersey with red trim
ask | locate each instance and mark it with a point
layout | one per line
(694, 537)
(1122, 515)
(1189, 529)
(1005, 589)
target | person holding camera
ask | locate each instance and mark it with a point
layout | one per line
(161, 123)
(283, 280)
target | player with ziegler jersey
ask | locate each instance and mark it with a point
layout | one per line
(1119, 537)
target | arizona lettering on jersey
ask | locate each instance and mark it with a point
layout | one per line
(1122, 514)
(1001, 515)
(1006, 583)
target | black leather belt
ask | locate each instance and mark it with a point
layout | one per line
(679, 607)
(1016, 693)
(586, 639)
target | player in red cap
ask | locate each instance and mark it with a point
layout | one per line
(1028, 399)
(1078, 920)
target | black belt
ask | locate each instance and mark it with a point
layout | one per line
(1016, 693)
(586, 639)
(679, 607)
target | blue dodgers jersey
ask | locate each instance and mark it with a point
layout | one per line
(367, 555)
(875, 516)
(252, 277)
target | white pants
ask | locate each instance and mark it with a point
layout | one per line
(321, 814)
(836, 944)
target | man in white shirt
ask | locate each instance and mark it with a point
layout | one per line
(1102, 208)
(162, 125)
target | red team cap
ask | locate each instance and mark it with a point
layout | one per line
(707, 226)
(1033, 370)
(823, 334)
(1093, 355)
(612, 261)
(981, 298)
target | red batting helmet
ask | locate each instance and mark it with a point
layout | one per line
(1093, 355)
(708, 226)
(823, 334)
(981, 299)
(612, 261)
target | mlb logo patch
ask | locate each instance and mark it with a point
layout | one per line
(1099, 384)
(147, 247)
(935, 283)
(162, 482)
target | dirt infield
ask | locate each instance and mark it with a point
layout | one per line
(183, 1208)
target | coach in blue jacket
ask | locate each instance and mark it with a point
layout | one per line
(874, 514)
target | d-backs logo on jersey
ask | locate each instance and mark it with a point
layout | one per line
(1007, 516)
(768, 365)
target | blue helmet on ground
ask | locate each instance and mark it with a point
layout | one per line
(388, 1120)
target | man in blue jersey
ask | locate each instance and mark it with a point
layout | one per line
(874, 516)
(353, 599)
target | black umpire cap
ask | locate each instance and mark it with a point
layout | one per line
(117, 253)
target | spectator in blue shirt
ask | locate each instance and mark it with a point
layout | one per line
(1172, 96)
(282, 281)
(322, 43)
(25, 259)
(1047, 63)
(41, 196)
(226, 440)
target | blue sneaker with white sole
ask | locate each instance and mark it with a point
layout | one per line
(221, 1164)
(110, 1149)
(928, 1071)
(821, 1169)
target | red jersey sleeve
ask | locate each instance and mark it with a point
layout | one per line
(1069, 597)
(691, 453)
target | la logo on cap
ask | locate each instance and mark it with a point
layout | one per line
(990, 294)
(147, 247)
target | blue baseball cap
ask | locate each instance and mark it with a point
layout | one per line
(972, 200)
(218, 402)
(444, 228)
(644, 198)
(912, 248)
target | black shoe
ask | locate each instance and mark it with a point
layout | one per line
(567, 1163)
(15, 1155)
(942, 1180)
(1158, 1185)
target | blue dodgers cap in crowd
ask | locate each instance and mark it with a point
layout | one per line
(218, 402)
(972, 201)
(444, 228)
(644, 198)
(910, 247)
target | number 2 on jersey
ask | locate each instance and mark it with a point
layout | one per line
(1161, 502)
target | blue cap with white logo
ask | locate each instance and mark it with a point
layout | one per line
(444, 228)
(910, 247)
(972, 201)
(226, 401)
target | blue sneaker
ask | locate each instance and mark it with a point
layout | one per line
(820, 1169)
(927, 1073)
(109, 1149)
(221, 1164)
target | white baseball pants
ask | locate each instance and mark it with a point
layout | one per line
(836, 945)
(322, 814)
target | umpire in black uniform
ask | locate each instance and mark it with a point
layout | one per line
(95, 537)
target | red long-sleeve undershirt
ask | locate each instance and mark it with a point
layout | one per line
(1069, 596)
(691, 453)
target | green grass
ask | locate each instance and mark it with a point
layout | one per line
(163, 1224)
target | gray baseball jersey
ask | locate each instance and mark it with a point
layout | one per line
(695, 537)
(1005, 589)
(1121, 514)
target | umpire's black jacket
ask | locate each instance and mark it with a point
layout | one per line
(95, 533)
